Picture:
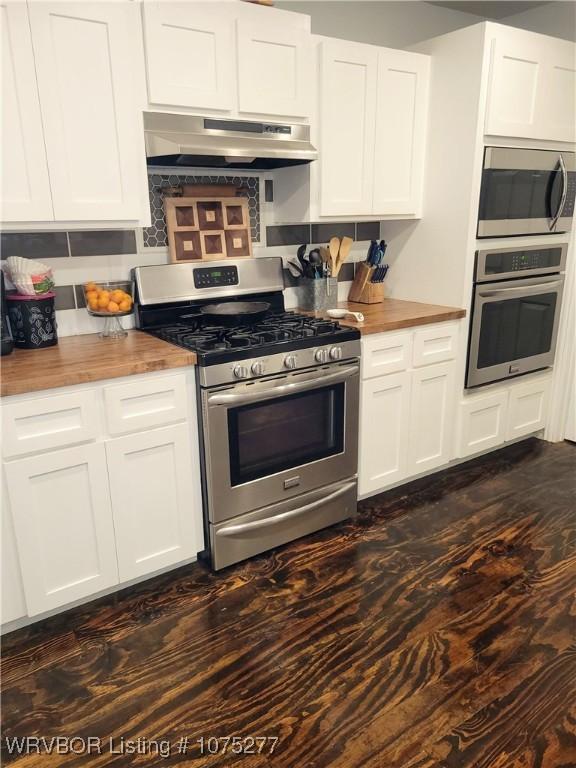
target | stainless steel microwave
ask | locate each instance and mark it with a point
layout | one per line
(526, 192)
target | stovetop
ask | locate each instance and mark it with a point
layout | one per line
(276, 332)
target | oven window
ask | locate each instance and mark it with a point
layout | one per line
(516, 328)
(286, 432)
(509, 194)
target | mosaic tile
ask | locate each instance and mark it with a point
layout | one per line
(155, 236)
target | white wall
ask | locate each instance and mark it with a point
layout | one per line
(401, 23)
(556, 19)
(394, 24)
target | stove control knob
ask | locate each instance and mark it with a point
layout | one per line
(290, 362)
(241, 372)
(336, 353)
(321, 355)
(257, 368)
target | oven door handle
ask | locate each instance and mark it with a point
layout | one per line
(564, 194)
(283, 389)
(527, 290)
(233, 530)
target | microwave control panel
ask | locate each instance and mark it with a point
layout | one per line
(568, 209)
(215, 277)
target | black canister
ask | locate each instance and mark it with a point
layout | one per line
(32, 320)
(7, 343)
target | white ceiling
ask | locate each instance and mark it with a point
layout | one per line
(490, 9)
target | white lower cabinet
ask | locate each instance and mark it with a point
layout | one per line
(431, 409)
(528, 407)
(63, 521)
(482, 423)
(13, 600)
(406, 414)
(384, 410)
(153, 499)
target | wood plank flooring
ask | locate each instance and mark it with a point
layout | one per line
(436, 630)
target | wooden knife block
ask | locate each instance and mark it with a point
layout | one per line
(363, 291)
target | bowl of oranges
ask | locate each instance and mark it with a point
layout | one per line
(112, 301)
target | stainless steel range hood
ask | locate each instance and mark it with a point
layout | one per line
(207, 142)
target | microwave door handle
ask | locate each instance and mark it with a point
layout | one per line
(227, 398)
(564, 194)
(232, 530)
(527, 290)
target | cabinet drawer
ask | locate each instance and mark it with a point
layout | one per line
(435, 344)
(145, 404)
(49, 422)
(385, 353)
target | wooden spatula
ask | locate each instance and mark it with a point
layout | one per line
(334, 248)
(343, 253)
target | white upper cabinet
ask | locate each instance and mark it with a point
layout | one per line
(347, 116)
(401, 115)
(274, 64)
(532, 86)
(25, 186)
(87, 70)
(189, 54)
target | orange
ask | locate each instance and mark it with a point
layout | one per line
(91, 295)
(125, 305)
(113, 307)
(93, 304)
(103, 300)
(91, 287)
(117, 296)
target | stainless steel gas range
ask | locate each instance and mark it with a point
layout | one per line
(278, 402)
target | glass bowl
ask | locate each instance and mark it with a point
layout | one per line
(111, 300)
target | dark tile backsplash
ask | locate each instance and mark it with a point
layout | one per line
(102, 242)
(321, 233)
(64, 297)
(268, 191)
(80, 298)
(288, 234)
(34, 245)
(367, 230)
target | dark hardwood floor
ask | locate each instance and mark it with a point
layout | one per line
(437, 629)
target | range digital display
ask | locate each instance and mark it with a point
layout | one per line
(208, 277)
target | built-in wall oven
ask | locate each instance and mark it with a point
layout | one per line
(281, 456)
(526, 192)
(515, 312)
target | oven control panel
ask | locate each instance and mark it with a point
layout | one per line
(499, 264)
(215, 277)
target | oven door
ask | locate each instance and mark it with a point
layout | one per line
(271, 439)
(526, 192)
(514, 328)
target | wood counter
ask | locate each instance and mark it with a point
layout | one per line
(81, 359)
(393, 314)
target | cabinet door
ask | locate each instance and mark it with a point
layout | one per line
(274, 65)
(532, 87)
(482, 423)
(558, 100)
(13, 601)
(189, 55)
(431, 417)
(92, 124)
(401, 114)
(347, 120)
(384, 422)
(528, 407)
(25, 187)
(155, 499)
(61, 508)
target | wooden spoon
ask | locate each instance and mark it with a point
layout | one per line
(334, 247)
(344, 252)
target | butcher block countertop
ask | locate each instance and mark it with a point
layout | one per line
(393, 314)
(81, 359)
